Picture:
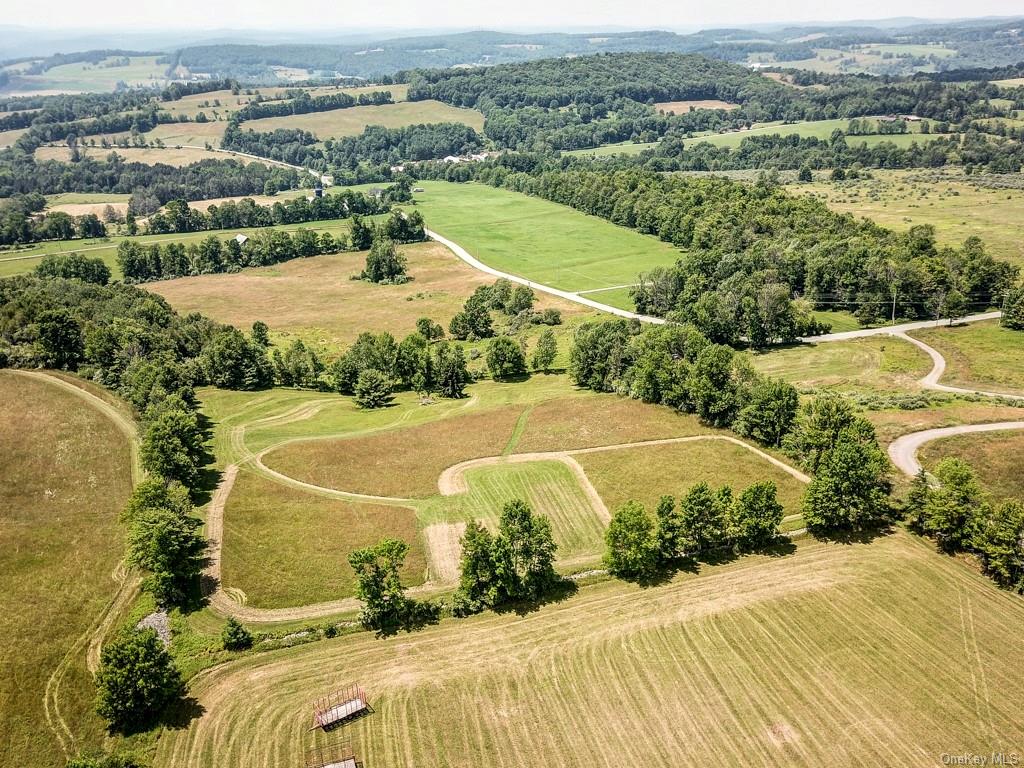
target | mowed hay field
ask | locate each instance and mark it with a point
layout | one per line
(65, 473)
(646, 473)
(314, 299)
(884, 653)
(80, 77)
(995, 456)
(354, 120)
(537, 239)
(982, 355)
(266, 522)
(681, 107)
(957, 207)
(876, 362)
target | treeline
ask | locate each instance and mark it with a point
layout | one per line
(177, 216)
(375, 145)
(20, 222)
(749, 251)
(202, 180)
(302, 103)
(961, 517)
(141, 263)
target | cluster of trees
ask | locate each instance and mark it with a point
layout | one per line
(21, 222)
(514, 565)
(516, 302)
(960, 516)
(376, 364)
(678, 366)
(302, 103)
(177, 216)
(751, 250)
(703, 522)
(379, 586)
(375, 145)
(141, 263)
(74, 266)
(1013, 309)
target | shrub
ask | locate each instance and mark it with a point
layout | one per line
(136, 680)
(235, 637)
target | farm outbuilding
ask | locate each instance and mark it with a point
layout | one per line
(335, 708)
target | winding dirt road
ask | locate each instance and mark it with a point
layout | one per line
(903, 450)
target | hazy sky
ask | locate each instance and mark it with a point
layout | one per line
(324, 15)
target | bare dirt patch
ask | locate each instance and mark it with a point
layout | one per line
(443, 543)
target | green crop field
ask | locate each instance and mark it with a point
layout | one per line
(838, 653)
(539, 240)
(622, 148)
(353, 120)
(957, 205)
(65, 472)
(982, 355)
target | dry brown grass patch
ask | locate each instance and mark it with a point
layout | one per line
(403, 462)
(682, 107)
(595, 420)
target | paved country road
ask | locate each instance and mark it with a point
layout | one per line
(903, 451)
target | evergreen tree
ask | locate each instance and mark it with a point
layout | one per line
(373, 389)
(234, 636)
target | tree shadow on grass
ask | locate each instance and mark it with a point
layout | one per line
(563, 589)
(417, 615)
(209, 475)
(181, 713)
(864, 536)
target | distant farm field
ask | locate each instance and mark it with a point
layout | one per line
(173, 134)
(680, 107)
(65, 473)
(221, 104)
(819, 129)
(353, 120)
(982, 355)
(955, 204)
(178, 157)
(539, 240)
(622, 148)
(84, 76)
(835, 654)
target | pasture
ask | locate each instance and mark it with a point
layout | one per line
(65, 473)
(175, 134)
(352, 121)
(539, 240)
(880, 363)
(314, 299)
(980, 355)
(995, 456)
(837, 653)
(957, 205)
(218, 105)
